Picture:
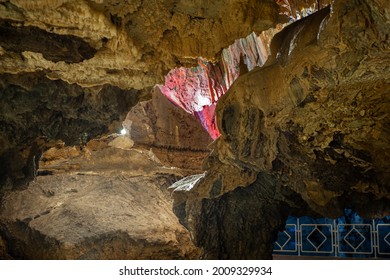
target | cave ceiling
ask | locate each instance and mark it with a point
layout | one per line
(129, 44)
(70, 68)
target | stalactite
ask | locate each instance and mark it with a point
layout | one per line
(297, 9)
(197, 89)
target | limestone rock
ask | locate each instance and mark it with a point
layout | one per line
(122, 142)
(53, 47)
(36, 111)
(306, 133)
(113, 204)
(250, 217)
(158, 122)
(292, 117)
(173, 135)
(297, 120)
(297, 9)
(197, 89)
(126, 44)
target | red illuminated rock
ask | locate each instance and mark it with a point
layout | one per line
(198, 89)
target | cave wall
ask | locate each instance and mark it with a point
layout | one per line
(314, 117)
(306, 133)
(74, 67)
(241, 224)
(69, 72)
(36, 112)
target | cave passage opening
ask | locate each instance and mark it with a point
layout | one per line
(197, 91)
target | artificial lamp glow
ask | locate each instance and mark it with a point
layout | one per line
(123, 131)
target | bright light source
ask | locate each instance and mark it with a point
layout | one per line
(123, 131)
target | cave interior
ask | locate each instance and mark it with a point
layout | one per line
(178, 129)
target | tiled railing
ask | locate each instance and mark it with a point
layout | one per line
(342, 237)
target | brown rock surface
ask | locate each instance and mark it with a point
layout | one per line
(173, 135)
(108, 203)
(157, 122)
(308, 133)
(314, 119)
(129, 44)
(32, 107)
(74, 67)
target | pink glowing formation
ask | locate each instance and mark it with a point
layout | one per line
(197, 89)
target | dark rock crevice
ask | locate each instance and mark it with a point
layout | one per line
(37, 111)
(54, 47)
(243, 223)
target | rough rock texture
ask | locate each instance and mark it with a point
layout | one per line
(99, 203)
(315, 118)
(173, 135)
(158, 122)
(241, 224)
(297, 9)
(198, 89)
(130, 44)
(33, 106)
(53, 47)
(94, 53)
(307, 133)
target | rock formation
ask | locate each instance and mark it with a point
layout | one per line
(294, 93)
(35, 111)
(309, 124)
(198, 89)
(107, 201)
(130, 45)
(97, 47)
(173, 135)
